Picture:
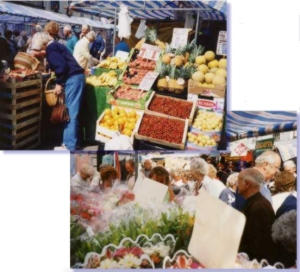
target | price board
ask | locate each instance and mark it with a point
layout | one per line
(180, 37)
(221, 44)
(148, 81)
(149, 51)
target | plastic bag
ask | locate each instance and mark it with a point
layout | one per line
(125, 21)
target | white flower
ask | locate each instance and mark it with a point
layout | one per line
(109, 263)
(129, 261)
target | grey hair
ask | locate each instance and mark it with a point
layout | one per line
(289, 164)
(253, 176)
(67, 28)
(40, 38)
(284, 231)
(38, 28)
(85, 27)
(87, 169)
(199, 165)
(232, 179)
(267, 157)
(91, 35)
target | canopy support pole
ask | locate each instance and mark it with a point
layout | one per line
(197, 26)
(114, 38)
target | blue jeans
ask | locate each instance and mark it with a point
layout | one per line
(73, 91)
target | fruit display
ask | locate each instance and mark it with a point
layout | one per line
(170, 106)
(112, 63)
(126, 92)
(210, 71)
(162, 128)
(208, 121)
(202, 140)
(105, 79)
(119, 119)
(134, 76)
(141, 63)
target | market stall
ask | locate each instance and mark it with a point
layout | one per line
(161, 95)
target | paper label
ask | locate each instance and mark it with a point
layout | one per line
(149, 191)
(180, 37)
(215, 227)
(221, 44)
(122, 55)
(149, 51)
(148, 81)
(240, 150)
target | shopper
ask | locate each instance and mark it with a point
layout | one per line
(146, 168)
(228, 195)
(284, 234)
(85, 29)
(70, 38)
(12, 47)
(268, 164)
(130, 169)
(199, 171)
(4, 50)
(108, 176)
(121, 45)
(70, 77)
(98, 47)
(82, 179)
(82, 52)
(256, 239)
(290, 166)
(285, 185)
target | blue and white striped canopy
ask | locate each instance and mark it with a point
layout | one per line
(245, 124)
(157, 10)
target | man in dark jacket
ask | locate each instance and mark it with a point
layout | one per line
(256, 240)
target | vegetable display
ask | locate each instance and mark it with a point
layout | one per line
(174, 107)
(162, 128)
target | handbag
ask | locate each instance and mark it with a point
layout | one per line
(60, 113)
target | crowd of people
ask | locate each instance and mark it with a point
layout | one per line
(69, 55)
(264, 192)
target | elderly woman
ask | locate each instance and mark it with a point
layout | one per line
(228, 195)
(82, 51)
(70, 77)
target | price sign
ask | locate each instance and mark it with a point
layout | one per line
(180, 37)
(287, 149)
(148, 81)
(122, 55)
(240, 150)
(149, 51)
(221, 44)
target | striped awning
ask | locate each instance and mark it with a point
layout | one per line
(245, 124)
(155, 10)
(18, 12)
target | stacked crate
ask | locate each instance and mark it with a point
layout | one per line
(20, 113)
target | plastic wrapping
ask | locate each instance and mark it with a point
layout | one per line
(124, 24)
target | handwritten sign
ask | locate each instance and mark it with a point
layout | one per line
(215, 227)
(149, 51)
(149, 191)
(122, 55)
(240, 150)
(148, 81)
(221, 44)
(180, 37)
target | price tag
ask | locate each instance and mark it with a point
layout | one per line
(148, 81)
(122, 55)
(149, 191)
(213, 228)
(221, 44)
(149, 51)
(240, 150)
(180, 37)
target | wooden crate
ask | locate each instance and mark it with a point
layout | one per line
(20, 113)
(163, 142)
(192, 113)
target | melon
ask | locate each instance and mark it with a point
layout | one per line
(209, 77)
(198, 76)
(219, 80)
(200, 60)
(213, 70)
(166, 59)
(203, 68)
(223, 63)
(209, 55)
(213, 64)
(221, 72)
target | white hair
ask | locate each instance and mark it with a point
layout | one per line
(199, 165)
(267, 157)
(91, 35)
(67, 28)
(85, 27)
(284, 231)
(87, 169)
(39, 39)
(38, 28)
(253, 176)
(231, 180)
(289, 164)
